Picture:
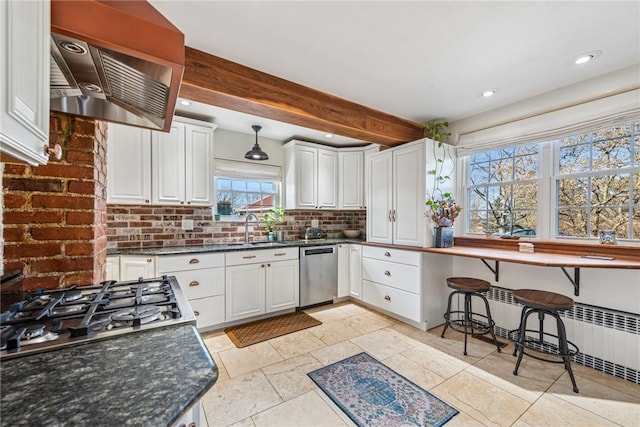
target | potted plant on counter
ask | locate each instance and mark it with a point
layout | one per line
(271, 218)
(441, 203)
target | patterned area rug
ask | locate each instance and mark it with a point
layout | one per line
(262, 330)
(372, 394)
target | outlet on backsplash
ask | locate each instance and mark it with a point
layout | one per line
(187, 224)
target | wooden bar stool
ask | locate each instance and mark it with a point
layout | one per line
(479, 324)
(543, 303)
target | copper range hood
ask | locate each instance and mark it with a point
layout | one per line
(118, 61)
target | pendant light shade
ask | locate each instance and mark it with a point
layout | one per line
(256, 152)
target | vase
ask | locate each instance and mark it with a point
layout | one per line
(444, 237)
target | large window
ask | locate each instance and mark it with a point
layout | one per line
(245, 187)
(240, 196)
(502, 191)
(571, 187)
(598, 183)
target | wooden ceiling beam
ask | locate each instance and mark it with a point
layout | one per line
(216, 81)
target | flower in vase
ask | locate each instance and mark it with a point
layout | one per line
(444, 211)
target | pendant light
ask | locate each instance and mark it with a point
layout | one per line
(256, 153)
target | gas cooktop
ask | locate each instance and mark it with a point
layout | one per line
(49, 319)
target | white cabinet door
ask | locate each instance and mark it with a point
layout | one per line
(245, 291)
(128, 165)
(408, 195)
(134, 267)
(112, 268)
(343, 270)
(168, 171)
(306, 181)
(282, 286)
(198, 156)
(327, 180)
(355, 271)
(379, 208)
(351, 175)
(24, 85)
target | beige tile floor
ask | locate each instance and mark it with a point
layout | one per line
(266, 384)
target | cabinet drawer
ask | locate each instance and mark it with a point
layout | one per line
(264, 255)
(209, 311)
(190, 261)
(201, 283)
(402, 303)
(393, 255)
(401, 276)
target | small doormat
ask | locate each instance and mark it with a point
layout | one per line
(372, 394)
(262, 330)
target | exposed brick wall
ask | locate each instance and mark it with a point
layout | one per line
(160, 226)
(55, 214)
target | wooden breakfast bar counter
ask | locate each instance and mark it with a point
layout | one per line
(547, 254)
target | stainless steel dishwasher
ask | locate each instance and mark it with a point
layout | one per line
(318, 274)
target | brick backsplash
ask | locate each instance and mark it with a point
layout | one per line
(161, 226)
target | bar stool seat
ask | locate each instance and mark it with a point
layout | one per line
(465, 320)
(543, 303)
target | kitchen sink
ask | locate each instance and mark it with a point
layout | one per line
(256, 245)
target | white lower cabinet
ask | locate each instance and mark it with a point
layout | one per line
(350, 270)
(133, 267)
(112, 268)
(392, 281)
(343, 270)
(261, 281)
(202, 280)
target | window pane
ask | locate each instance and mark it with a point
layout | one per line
(572, 192)
(478, 222)
(479, 173)
(575, 159)
(525, 195)
(609, 219)
(501, 171)
(525, 222)
(636, 223)
(478, 198)
(612, 132)
(253, 186)
(268, 187)
(610, 190)
(499, 197)
(526, 150)
(526, 167)
(574, 139)
(224, 184)
(237, 185)
(479, 157)
(612, 154)
(572, 222)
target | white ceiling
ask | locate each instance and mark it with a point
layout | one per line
(420, 60)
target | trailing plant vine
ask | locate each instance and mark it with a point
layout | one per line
(441, 153)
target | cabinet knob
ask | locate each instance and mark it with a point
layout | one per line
(146, 201)
(182, 202)
(262, 266)
(189, 202)
(387, 273)
(194, 261)
(194, 283)
(268, 265)
(387, 254)
(149, 260)
(387, 297)
(197, 313)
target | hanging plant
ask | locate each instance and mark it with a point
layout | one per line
(442, 172)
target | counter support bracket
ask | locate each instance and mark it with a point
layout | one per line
(575, 280)
(496, 270)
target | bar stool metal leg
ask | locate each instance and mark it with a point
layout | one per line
(468, 323)
(447, 315)
(564, 350)
(517, 345)
(491, 324)
(521, 338)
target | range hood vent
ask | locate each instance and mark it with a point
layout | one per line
(118, 61)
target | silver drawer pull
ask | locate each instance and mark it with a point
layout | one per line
(387, 254)
(197, 313)
(280, 254)
(387, 273)
(194, 283)
(387, 297)
(194, 261)
(248, 256)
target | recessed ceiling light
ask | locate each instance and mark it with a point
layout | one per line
(185, 103)
(585, 57)
(328, 135)
(487, 93)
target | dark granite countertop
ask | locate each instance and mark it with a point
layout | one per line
(148, 378)
(228, 247)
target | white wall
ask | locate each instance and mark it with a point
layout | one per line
(233, 146)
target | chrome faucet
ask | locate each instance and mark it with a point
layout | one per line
(246, 226)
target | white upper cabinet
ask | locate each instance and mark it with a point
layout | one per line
(350, 179)
(181, 165)
(396, 195)
(160, 168)
(321, 177)
(24, 79)
(311, 176)
(128, 165)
